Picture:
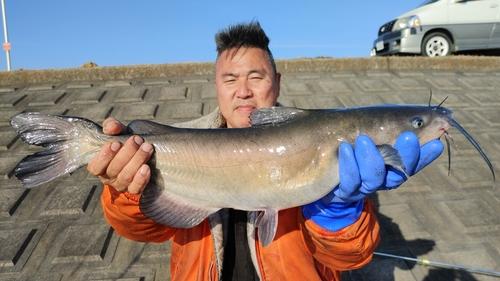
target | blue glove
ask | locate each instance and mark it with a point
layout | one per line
(363, 171)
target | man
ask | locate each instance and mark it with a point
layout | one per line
(313, 242)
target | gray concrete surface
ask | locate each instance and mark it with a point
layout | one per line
(57, 231)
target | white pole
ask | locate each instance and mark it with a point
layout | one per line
(443, 265)
(6, 45)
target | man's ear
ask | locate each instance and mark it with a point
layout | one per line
(278, 81)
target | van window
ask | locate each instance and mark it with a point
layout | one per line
(427, 2)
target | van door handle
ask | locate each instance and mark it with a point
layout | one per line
(494, 6)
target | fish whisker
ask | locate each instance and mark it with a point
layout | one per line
(439, 105)
(473, 142)
(447, 137)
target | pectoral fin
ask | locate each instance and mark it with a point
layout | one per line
(392, 158)
(267, 223)
(171, 210)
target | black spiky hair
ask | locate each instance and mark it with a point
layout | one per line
(248, 35)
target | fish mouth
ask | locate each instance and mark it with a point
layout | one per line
(448, 138)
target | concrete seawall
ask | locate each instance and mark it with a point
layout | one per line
(456, 63)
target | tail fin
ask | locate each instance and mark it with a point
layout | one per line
(70, 143)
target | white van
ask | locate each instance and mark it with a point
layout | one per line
(441, 27)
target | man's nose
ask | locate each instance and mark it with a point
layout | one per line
(244, 91)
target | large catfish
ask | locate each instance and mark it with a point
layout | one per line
(287, 158)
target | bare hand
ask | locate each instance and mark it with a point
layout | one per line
(122, 166)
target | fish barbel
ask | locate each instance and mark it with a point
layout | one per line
(287, 158)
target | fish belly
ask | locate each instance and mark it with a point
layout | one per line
(246, 176)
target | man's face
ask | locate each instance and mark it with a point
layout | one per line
(244, 81)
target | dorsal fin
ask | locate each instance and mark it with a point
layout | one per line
(274, 115)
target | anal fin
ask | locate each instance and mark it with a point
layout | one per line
(170, 210)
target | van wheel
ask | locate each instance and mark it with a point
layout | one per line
(436, 44)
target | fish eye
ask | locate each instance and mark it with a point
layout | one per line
(417, 122)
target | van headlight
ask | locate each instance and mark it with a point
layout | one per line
(406, 22)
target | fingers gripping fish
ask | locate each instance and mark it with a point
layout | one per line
(287, 158)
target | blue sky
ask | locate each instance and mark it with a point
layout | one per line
(68, 33)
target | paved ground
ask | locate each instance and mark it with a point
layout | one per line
(57, 231)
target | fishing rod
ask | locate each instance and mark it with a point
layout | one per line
(443, 265)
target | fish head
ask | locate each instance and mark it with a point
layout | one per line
(430, 122)
(384, 123)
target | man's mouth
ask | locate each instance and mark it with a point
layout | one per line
(245, 107)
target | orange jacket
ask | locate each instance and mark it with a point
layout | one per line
(301, 250)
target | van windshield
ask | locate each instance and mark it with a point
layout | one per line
(427, 2)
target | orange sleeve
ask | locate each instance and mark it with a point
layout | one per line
(349, 248)
(121, 210)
